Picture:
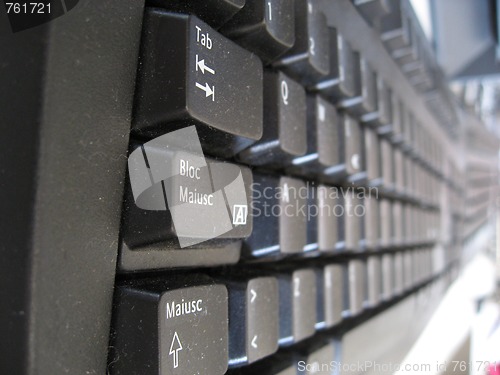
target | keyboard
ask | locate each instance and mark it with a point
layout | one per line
(232, 187)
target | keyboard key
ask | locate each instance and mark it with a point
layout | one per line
(399, 183)
(297, 306)
(253, 320)
(398, 273)
(387, 277)
(266, 27)
(340, 81)
(364, 99)
(372, 10)
(397, 215)
(352, 220)
(374, 280)
(354, 278)
(372, 156)
(190, 74)
(285, 117)
(351, 163)
(387, 164)
(330, 286)
(180, 185)
(383, 115)
(171, 329)
(371, 222)
(308, 60)
(322, 138)
(353, 156)
(329, 205)
(279, 225)
(394, 28)
(386, 223)
(214, 12)
(408, 269)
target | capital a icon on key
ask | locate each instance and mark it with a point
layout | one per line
(240, 212)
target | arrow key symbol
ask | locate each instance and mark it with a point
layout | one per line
(209, 91)
(200, 64)
(254, 342)
(175, 348)
(254, 295)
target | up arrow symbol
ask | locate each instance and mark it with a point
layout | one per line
(175, 348)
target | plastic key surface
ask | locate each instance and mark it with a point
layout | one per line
(253, 320)
(322, 139)
(266, 27)
(190, 74)
(297, 305)
(275, 233)
(308, 60)
(164, 329)
(285, 117)
(340, 81)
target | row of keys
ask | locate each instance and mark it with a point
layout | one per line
(296, 133)
(299, 218)
(206, 324)
(269, 215)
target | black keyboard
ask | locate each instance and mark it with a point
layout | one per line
(228, 187)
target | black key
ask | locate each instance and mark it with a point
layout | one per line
(386, 223)
(350, 166)
(356, 287)
(372, 156)
(372, 10)
(371, 222)
(340, 81)
(171, 329)
(364, 99)
(408, 124)
(398, 171)
(253, 320)
(279, 225)
(322, 138)
(394, 28)
(408, 269)
(329, 206)
(374, 281)
(297, 306)
(330, 286)
(395, 129)
(285, 117)
(308, 60)
(352, 220)
(387, 276)
(383, 115)
(190, 74)
(172, 196)
(214, 12)
(353, 142)
(398, 273)
(387, 164)
(266, 27)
